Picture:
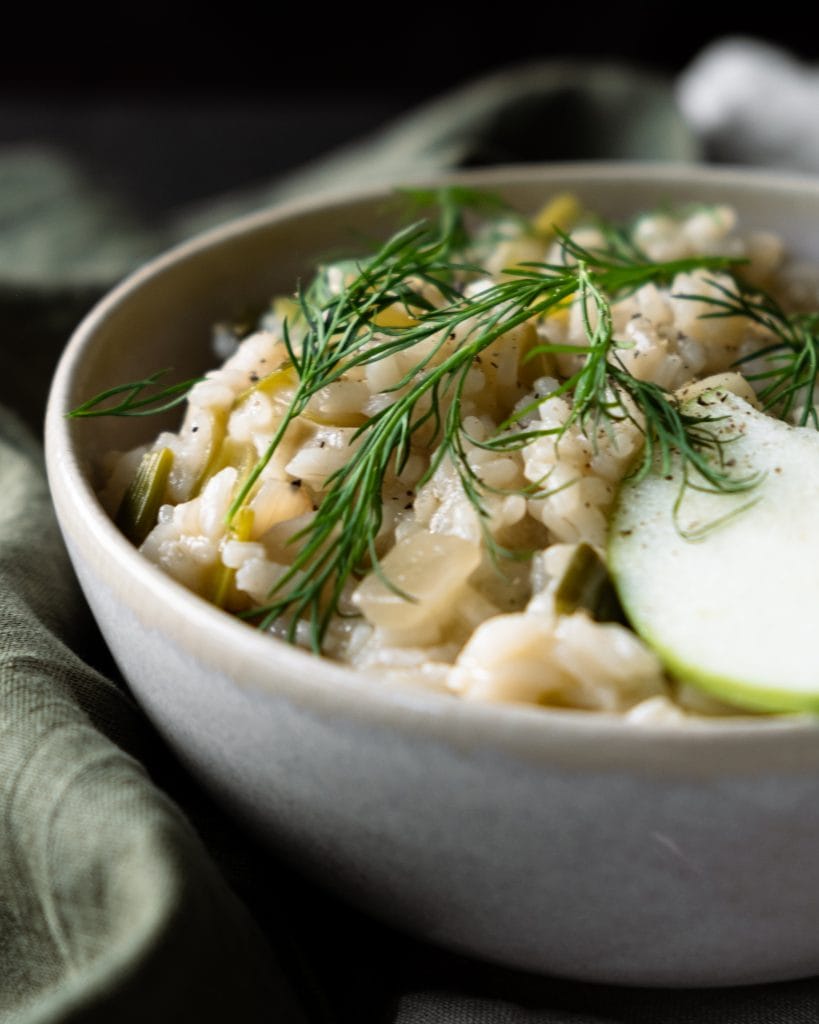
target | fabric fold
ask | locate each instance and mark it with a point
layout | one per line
(110, 908)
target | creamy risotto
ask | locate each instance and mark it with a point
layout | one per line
(468, 553)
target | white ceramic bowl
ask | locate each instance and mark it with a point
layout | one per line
(560, 842)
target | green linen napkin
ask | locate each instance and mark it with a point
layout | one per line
(113, 907)
(110, 907)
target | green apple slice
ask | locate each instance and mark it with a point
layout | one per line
(736, 610)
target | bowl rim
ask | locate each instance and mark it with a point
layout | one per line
(574, 738)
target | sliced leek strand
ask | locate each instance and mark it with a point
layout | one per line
(286, 308)
(277, 380)
(395, 315)
(224, 577)
(586, 584)
(231, 452)
(242, 455)
(561, 211)
(139, 507)
(217, 442)
(223, 449)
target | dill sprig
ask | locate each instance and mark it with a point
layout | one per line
(792, 373)
(133, 400)
(603, 392)
(424, 268)
(337, 327)
(671, 433)
(340, 541)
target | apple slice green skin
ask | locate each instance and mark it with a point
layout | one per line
(736, 611)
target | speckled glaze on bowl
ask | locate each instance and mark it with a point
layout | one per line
(560, 842)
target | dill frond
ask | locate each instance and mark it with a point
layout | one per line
(133, 400)
(339, 543)
(423, 269)
(790, 379)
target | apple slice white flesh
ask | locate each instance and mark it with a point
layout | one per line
(736, 611)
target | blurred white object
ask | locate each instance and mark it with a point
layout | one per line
(753, 103)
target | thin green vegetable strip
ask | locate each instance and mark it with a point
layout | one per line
(139, 508)
(586, 584)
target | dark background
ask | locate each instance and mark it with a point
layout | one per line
(175, 102)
